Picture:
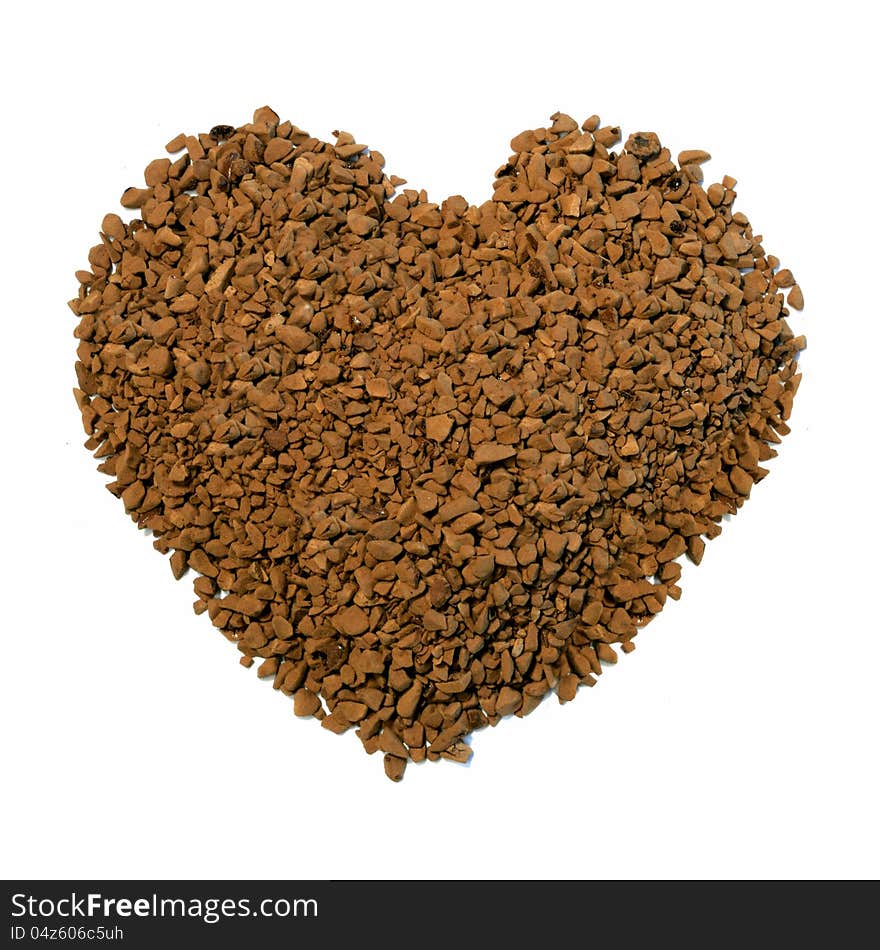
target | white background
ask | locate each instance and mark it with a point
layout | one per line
(739, 740)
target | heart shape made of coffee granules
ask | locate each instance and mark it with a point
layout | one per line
(429, 462)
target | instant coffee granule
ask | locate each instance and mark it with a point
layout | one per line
(429, 462)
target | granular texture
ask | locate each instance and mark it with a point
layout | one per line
(430, 462)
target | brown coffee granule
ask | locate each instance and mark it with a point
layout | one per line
(430, 461)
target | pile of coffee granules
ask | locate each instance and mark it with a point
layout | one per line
(430, 462)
